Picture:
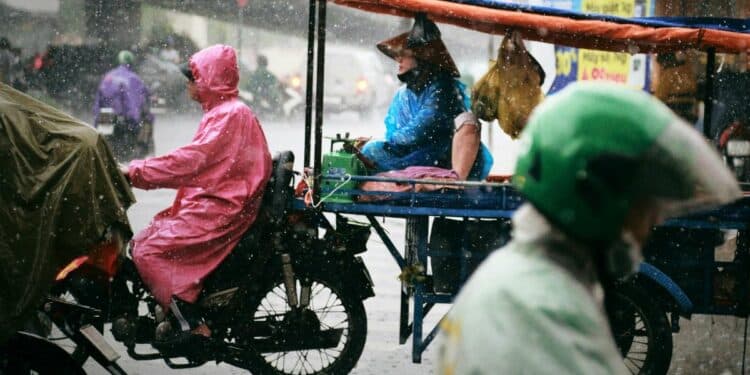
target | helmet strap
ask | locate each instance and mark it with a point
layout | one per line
(622, 257)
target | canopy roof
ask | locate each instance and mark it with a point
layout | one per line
(575, 29)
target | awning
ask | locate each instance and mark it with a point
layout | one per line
(574, 29)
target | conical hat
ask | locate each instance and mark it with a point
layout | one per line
(433, 52)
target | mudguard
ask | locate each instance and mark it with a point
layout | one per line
(660, 278)
(349, 271)
(361, 280)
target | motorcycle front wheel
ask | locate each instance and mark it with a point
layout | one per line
(29, 354)
(333, 325)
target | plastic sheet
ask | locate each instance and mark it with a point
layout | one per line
(60, 190)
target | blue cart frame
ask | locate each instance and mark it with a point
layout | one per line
(499, 200)
(474, 200)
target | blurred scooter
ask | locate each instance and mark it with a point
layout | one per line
(285, 104)
(734, 144)
(127, 141)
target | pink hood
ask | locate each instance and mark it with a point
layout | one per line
(216, 74)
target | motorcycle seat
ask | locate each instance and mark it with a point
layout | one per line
(252, 251)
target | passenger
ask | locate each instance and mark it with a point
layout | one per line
(123, 90)
(600, 165)
(220, 178)
(419, 122)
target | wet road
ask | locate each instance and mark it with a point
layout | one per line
(704, 346)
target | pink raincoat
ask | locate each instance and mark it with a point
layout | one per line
(220, 178)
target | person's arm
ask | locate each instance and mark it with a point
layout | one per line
(416, 130)
(466, 143)
(183, 166)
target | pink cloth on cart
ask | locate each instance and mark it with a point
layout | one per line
(220, 178)
(414, 173)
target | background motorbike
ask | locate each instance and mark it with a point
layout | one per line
(285, 301)
(281, 103)
(734, 144)
(126, 143)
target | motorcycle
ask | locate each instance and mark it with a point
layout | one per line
(79, 323)
(126, 143)
(21, 354)
(734, 144)
(283, 302)
(284, 104)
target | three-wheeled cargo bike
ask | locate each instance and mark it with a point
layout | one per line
(682, 275)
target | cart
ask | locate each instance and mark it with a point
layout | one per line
(666, 291)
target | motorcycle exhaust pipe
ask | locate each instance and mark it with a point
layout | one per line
(289, 283)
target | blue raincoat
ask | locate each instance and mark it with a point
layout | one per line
(419, 129)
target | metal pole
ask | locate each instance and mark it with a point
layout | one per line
(239, 32)
(708, 101)
(491, 55)
(309, 83)
(320, 81)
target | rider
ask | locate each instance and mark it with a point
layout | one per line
(122, 90)
(419, 124)
(601, 164)
(220, 179)
(264, 85)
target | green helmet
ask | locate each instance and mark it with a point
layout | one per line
(593, 149)
(125, 57)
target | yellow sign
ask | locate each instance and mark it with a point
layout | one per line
(598, 65)
(607, 66)
(565, 58)
(622, 8)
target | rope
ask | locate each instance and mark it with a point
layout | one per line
(309, 197)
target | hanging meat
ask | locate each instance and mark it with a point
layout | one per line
(511, 88)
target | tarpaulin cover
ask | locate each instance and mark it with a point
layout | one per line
(574, 29)
(60, 189)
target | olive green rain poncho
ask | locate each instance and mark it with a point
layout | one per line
(60, 190)
(587, 154)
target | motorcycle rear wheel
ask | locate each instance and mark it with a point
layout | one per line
(334, 307)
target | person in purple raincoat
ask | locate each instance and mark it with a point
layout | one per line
(122, 91)
(220, 178)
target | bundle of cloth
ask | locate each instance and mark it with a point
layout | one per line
(432, 176)
(511, 88)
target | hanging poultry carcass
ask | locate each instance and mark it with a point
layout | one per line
(511, 88)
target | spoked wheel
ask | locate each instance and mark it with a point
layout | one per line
(641, 330)
(326, 337)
